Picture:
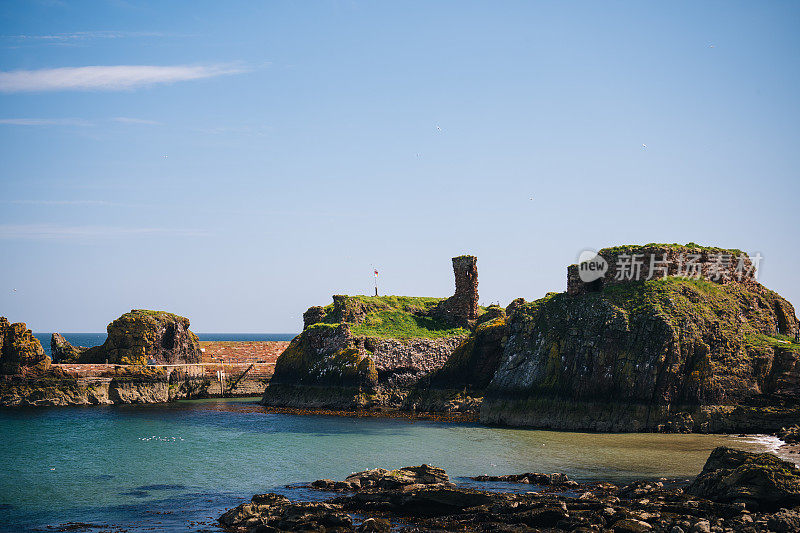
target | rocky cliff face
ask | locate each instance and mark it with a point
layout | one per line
(138, 337)
(361, 352)
(20, 351)
(459, 385)
(669, 354)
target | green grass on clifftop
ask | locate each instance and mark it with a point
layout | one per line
(687, 248)
(401, 325)
(396, 317)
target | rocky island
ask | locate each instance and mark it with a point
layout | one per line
(148, 357)
(704, 348)
(368, 352)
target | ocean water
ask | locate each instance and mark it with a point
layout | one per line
(177, 467)
(96, 339)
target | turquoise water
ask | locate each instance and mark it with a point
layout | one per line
(96, 339)
(177, 467)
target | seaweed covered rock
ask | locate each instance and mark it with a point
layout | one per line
(640, 356)
(273, 512)
(142, 337)
(760, 480)
(20, 351)
(550, 503)
(401, 477)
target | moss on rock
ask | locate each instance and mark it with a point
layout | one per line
(20, 351)
(659, 346)
(143, 336)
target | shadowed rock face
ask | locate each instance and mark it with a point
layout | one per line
(19, 349)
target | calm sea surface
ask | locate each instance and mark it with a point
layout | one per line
(177, 467)
(96, 339)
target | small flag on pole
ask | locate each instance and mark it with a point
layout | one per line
(376, 273)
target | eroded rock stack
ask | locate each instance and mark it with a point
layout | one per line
(62, 351)
(139, 337)
(156, 337)
(19, 349)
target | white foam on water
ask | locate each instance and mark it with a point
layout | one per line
(770, 443)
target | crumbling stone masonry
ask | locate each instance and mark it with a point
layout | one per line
(462, 307)
(633, 263)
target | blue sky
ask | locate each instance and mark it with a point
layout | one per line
(237, 162)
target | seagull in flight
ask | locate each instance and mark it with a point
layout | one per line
(644, 146)
(438, 128)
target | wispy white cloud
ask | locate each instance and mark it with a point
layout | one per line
(74, 121)
(61, 202)
(78, 36)
(55, 232)
(107, 78)
(45, 122)
(133, 120)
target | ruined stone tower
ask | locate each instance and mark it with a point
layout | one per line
(462, 307)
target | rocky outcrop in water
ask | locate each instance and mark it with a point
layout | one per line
(665, 354)
(761, 481)
(142, 337)
(369, 352)
(405, 501)
(62, 351)
(670, 354)
(20, 351)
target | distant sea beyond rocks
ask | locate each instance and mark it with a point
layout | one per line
(96, 339)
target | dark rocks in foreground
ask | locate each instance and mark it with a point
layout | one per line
(532, 478)
(756, 480)
(790, 435)
(737, 491)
